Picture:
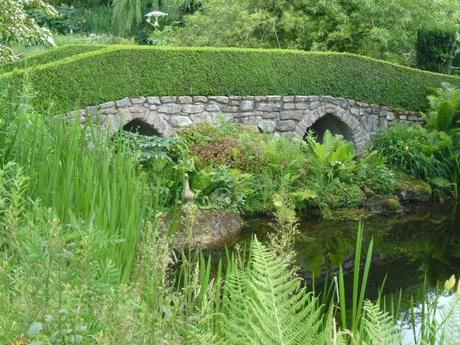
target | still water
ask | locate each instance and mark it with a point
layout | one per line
(424, 242)
(413, 252)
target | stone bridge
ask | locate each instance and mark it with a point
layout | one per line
(280, 115)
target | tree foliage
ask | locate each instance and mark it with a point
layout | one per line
(379, 28)
(17, 26)
(436, 47)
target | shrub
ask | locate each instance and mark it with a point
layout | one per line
(110, 74)
(416, 151)
(332, 159)
(436, 47)
(220, 145)
(374, 175)
(444, 112)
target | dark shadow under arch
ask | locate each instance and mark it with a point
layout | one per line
(140, 127)
(333, 124)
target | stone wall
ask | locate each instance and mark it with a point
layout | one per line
(280, 115)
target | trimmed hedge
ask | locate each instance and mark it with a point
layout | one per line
(48, 56)
(119, 71)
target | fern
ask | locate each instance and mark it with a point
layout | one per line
(450, 325)
(265, 305)
(378, 326)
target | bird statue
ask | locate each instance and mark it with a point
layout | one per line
(187, 193)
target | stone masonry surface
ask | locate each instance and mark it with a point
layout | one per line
(279, 115)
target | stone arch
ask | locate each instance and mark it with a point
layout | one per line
(139, 126)
(145, 122)
(336, 119)
(332, 123)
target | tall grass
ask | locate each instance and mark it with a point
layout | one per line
(83, 176)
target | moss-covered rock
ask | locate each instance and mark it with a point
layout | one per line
(379, 204)
(210, 229)
(412, 190)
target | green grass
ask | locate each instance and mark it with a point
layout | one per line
(119, 71)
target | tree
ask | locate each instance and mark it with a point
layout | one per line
(385, 29)
(17, 26)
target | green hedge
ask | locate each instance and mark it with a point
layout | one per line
(48, 56)
(119, 71)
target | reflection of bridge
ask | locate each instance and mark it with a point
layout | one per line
(281, 115)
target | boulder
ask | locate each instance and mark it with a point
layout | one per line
(379, 204)
(209, 229)
(413, 191)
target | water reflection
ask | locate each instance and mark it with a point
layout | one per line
(424, 242)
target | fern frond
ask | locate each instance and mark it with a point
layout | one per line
(450, 326)
(265, 305)
(379, 326)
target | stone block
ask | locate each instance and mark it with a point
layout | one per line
(137, 109)
(230, 108)
(220, 99)
(301, 105)
(272, 106)
(266, 126)
(107, 105)
(314, 105)
(288, 106)
(200, 99)
(168, 99)
(247, 105)
(288, 98)
(260, 98)
(286, 125)
(193, 108)
(111, 110)
(170, 108)
(291, 115)
(180, 121)
(159, 123)
(137, 100)
(125, 102)
(185, 99)
(213, 107)
(268, 114)
(154, 100)
(203, 117)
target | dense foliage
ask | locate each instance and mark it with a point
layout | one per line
(102, 75)
(382, 29)
(430, 152)
(17, 26)
(437, 47)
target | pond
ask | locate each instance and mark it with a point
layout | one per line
(422, 242)
(417, 249)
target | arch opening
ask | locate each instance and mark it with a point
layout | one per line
(140, 127)
(332, 123)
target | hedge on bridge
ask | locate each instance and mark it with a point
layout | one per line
(48, 56)
(119, 71)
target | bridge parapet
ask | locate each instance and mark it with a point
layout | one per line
(280, 115)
